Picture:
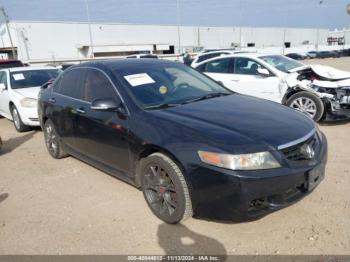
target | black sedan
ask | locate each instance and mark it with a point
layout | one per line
(296, 56)
(192, 146)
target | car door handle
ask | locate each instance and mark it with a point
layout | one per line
(52, 100)
(80, 110)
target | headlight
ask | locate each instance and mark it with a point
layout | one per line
(261, 160)
(29, 102)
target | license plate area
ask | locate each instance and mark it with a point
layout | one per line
(315, 176)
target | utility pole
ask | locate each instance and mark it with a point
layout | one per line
(178, 25)
(90, 31)
(2, 10)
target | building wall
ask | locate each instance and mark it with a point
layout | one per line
(57, 40)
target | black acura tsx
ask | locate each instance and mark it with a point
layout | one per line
(193, 147)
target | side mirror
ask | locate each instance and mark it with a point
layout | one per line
(2, 87)
(105, 104)
(263, 72)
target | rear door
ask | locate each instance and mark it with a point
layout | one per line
(102, 135)
(220, 70)
(65, 99)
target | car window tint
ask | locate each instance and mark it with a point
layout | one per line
(218, 66)
(70, 83)
(208, 56)
(96, 86)
(246, 66)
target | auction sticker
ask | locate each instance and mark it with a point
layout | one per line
(139, 79)
(18, 77)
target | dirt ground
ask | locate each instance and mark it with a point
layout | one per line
(64, 206)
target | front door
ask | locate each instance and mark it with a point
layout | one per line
(102, 135)
(248, 81)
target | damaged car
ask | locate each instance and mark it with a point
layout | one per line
(320, 92)
(320, 88)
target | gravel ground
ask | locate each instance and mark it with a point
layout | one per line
(65, 206)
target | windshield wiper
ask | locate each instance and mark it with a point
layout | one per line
(162, 106)
(207, 96)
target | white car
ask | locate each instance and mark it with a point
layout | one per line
(284, 80)
(19, 90)
(206, 55)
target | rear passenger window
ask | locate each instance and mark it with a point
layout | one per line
(208, 56)
(96, 86)
(70, 83)
(223, 66)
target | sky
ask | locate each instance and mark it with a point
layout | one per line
(277, 13)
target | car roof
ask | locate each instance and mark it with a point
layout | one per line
(28, 68)
(120, 63)
(247, 55)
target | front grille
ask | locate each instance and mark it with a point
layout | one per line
(304, 151)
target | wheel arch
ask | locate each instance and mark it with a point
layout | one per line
(148, 150)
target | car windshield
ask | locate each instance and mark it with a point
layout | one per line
(281, 63)
(31, 78)
(165, 85)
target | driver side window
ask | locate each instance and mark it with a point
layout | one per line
(247, 66)
(96, 86)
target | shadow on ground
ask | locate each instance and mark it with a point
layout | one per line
(12, 143)
(3, 196)
(179, 240)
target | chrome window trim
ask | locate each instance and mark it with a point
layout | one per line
(298, 141)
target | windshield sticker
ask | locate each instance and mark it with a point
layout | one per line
(139, 79)
(18, 77)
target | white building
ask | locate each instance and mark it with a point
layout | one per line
(54, 41)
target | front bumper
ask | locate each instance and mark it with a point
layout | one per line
(335, 111)
(247, 195)
(29, 116)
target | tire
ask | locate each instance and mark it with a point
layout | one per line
(308, 103)
(52, 141)
(17, 121)
(165, 189)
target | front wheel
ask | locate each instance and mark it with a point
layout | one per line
(308, 103)
(17, 121)
(165, 189)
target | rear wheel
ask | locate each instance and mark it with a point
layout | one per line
(165, 189)
(52, 141)
(17, 121)
(308, 103)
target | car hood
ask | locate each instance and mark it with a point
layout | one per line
(326, 72)
(237, 116)
(30, 92)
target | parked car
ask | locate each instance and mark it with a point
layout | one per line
(325, 54)
(265, 76)
(10, 63)
(192, 146)
(19, 88)
(211, 54)
(296, 56)
(143, 56)
(311, 54)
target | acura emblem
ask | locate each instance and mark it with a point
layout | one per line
(307, 151)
